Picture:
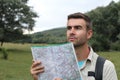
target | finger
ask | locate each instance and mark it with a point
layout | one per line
(38, 68)
(35, 63)
(37, 72)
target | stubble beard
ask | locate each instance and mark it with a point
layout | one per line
(80, 43)
(76, 45)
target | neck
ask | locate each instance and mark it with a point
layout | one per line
(82, 52)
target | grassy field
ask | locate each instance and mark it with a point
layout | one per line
(20, 59)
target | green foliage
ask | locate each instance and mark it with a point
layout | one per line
(52, 36)
(116, 46)
(17, 67)
(105, 26)
(15, 15)
(106, 23)
(5, 54)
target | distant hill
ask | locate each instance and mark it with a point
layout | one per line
(56, 35)
(105, 24)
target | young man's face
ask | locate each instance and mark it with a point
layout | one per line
(77, 32)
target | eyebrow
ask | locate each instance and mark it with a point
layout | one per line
(75, 26)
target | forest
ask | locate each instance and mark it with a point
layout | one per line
(105, 19)
(106, 27)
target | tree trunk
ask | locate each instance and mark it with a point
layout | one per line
(2, 43)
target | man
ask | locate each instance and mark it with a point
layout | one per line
(79, 31)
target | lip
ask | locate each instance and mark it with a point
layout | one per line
(72, 39)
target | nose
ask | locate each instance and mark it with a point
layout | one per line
(72, 31)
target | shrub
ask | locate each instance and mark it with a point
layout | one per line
(5, 55)
(116, 46)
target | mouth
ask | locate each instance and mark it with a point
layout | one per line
(71, 39)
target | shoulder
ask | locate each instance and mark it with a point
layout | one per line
(109, 64)
(109, 72)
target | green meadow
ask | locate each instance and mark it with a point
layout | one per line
(17, 67)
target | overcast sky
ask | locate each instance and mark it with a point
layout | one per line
(53, 13)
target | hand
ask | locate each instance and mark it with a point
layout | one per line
(57, 79)
(36, 69)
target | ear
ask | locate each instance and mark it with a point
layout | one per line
(89, 34)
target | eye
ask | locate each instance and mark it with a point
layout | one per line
(77, 27)
(69, 27)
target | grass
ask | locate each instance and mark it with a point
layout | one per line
(20, 59)
(18, 64)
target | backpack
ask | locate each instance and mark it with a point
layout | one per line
(98, 69)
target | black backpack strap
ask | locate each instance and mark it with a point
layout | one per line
(99, 68)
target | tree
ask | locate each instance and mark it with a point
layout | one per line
(15, 16)
(105, 25)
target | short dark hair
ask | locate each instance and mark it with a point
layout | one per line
(80, 15)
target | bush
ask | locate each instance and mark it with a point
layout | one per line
(116, 46)
(5, 55)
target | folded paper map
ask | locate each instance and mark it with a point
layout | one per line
(59, 61)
